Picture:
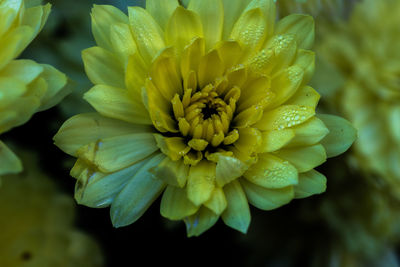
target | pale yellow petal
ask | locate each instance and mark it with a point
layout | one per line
(341, 135)
(22, 69)
(308, 133)
(161, 10)
(137, 196)
(265, 198)
(217, 202)
(102, 67)
(116, 103)
(210, 68)
(304, 158)
(310, 183)
(103, 17)
(122, 41)
(200, 222)
(146, 32)
(272, 172)
(201, 182)
(305, 96)
(114, 153)
(96, 189)
(86, 128)
(211, 14)
(228, 169)
(183, 26)
(306, 60)
(174, 147)
(285, 116)
(275, 139)
(237, 213)
(175, 205)
(173, 173)
(302, 26)
(232, 11)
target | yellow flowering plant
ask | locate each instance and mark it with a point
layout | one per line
(364, 55)
(25, 86)
(207, 105)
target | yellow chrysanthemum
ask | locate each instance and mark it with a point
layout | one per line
(365, 55)
(37, 223)
(25, 86)
(208, 104)
(329, 10)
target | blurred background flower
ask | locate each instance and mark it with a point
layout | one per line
(38, 223)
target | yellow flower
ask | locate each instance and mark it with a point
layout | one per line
(206, 104)
(365, 53)
(37, 223)
(25, 86)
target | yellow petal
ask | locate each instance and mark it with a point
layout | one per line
(102, 67)
(13, 43)
(272, 172)
(275, 140)
(200, 222)
(308, 133)
(173, 147)
(201, 182)
(304, 158)
(57, 87)
(248, 117)
(249, 30)
(232, 11)
(116, 103)
(285, 116)
(210, 68)
(146, 32)
(175, 205)
(137, 196)
(173, 173)
(136, 74)
(217, 202)
(284, 50)
(160, 109)
(161, 10)
(341, 135)
(191, 56)
(9, 162)
(96, 189)
(230, 52)
(228, 169)
(237, 213)
(268, 8)
(267, 199)
(305, 96)
(285, 84)
(165, 76)
(122, 41)
(306, 60)
(249, 141)
(211, 14)
(310, 183)
(103, 17)
(114, 153)
(83, 129)
(183, 26)
(22, 69)
(302, 26)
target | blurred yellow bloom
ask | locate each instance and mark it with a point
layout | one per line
(208, 105)
(37, 223)
(365, 53)
(329, 10)
(25, 86)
